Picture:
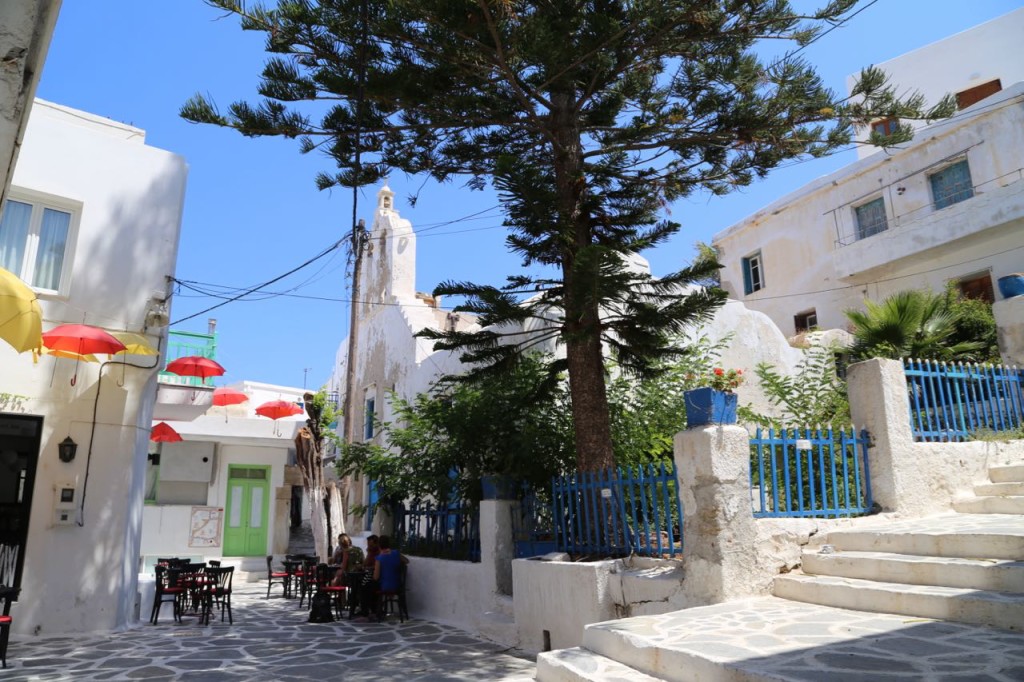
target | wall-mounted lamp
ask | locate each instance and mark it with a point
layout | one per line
(66, 449)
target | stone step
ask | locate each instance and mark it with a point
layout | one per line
(766, 638)
(1001, 575)
(972, 536)
(981, 607)
(1014, 488)
(1009, 504)
(580, 665)
(1012, 473)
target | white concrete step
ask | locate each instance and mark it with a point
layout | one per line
(1009, 504)
(1001, 575)
(999, 489)
(982, 607)
(1012, 473)
(766, 638)
(580, 665)
(985, 536)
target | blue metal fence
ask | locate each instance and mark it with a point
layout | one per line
(533, 528)
(950, 402)
(617, 512)
(809, 473)
(444, 532)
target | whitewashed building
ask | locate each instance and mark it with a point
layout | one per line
(971, 65)
(945, 207)
(91, 222)
(225, 491)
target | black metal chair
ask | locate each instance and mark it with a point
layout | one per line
(282, 578)
(8, 595)
(339, 593)
(217, 592)
(168, 589)
(393, 601)
(307, 581)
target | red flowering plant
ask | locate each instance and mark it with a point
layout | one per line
(725, 379)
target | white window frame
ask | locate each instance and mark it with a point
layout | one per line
(748, 273)
(40, 201)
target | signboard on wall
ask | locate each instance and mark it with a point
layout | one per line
(205, 527)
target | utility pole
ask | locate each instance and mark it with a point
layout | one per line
(358, 237)
(305, 373)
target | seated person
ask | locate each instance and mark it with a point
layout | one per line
(386, 577)
(372, 550)
(340, 558)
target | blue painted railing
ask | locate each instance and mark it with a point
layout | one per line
(950, 402)
(533, 529)
(444, 532)
(187, 344)
(618, 512)
(819, 473)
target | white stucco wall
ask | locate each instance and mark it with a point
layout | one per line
(807, 241)
(130, 200)
(1009, 314)
(961, 61)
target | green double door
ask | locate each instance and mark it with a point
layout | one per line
(245, 515)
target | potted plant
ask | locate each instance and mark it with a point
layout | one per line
(716, 402)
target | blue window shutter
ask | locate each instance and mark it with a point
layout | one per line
(748, 285)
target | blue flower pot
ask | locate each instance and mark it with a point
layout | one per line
(706, 406)
(1011, 286)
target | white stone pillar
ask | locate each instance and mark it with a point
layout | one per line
(719, 533)
(879, 402)
(1009, 314)
(497, 546)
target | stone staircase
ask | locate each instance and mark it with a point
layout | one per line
(909, 599)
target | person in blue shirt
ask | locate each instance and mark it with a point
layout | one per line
(386, 576)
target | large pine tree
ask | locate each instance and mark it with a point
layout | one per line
(589, 117)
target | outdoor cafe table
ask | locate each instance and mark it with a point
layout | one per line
(291, 567)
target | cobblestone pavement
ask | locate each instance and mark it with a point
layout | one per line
(270, 640)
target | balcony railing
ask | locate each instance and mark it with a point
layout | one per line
(851, 233)
(186, 344)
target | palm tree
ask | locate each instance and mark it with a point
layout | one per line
(908, 324)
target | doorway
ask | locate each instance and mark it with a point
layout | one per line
(19, 455)
(245, 520)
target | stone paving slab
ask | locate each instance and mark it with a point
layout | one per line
(767, 638)
(270, 640)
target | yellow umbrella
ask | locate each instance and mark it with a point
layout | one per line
(21, 320)
(134, 344)
(88, 357)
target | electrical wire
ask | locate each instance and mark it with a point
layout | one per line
(251, 290)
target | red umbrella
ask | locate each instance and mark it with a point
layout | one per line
(81, 339)
(277, 409)
(195, 366)
(228, 396)
(163, 433)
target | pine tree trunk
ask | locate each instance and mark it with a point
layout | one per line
(591, 419)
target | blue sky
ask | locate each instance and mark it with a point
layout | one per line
(252, 211)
